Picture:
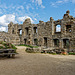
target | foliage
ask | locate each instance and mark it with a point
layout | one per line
(5, 45)
(71, 53)
(1, 47)
(13, 46)
(28, 46)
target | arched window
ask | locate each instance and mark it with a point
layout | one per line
(66, 43)
(35, 41)
(56, 42)
(27, 30)
(35, 29)
(20, 32)
(13, 31)
(58, 28)
(68, 28)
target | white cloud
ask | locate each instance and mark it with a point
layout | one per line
(10, 17)
(3, 21)
(55, 4)
(38, 2)
(17, 13)
(20, 7)
(29, 6)
(6, 19)
(59, 2)
(35, 19)
(22, 19)
(2, 28)
(42, 6)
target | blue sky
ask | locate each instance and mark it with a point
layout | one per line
(18, 10)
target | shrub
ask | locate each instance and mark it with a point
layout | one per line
(71, 53)
(7, 45)
(1, 47)
(29, 50)
(28, 46)
(13, 46)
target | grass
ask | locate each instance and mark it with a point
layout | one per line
(7, 45)
(71, 53)
(1, 47)
(13, 47)
(28, 46)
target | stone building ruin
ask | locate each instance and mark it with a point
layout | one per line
(44, 33)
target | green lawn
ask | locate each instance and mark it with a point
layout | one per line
(29, 46)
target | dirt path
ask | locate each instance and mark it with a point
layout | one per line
(21, 49)
(62, 56)
(36, 64)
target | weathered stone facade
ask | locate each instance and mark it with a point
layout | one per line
(11, 38)
(45, 33)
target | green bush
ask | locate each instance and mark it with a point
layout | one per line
(1, 47)
(71, 53)
(28, 46)
(7, 45)
(13, 46)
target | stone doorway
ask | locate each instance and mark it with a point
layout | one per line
(45, 41)
(56, 42)
(27, 30)
(25, 41)
(28, 42)
(35, 42)
(66, 43)
(35, 29)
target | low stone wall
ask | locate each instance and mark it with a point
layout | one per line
(11, 38)
(33, 50)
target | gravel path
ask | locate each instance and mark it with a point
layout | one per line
(37, 64)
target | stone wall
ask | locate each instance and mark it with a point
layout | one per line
(11, 38)
(44, 34)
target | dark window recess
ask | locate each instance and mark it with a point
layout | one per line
(25, 41)
(29, 36)
(45, 41)
(27, 30)
(68, 28)
(35, 29)
(13, 31)
(66, 43)
(28, 42)
(35, 41)
(56, 42)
